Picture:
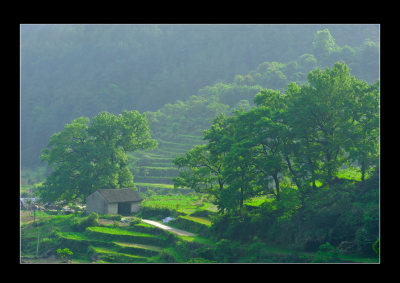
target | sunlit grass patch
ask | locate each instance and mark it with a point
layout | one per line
(109, 255)
(155, 185)
(74, 236)
(255, 201)
(186, 204)
(197, 239)
(117, 231)
(200, 220)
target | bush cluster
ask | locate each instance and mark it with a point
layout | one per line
(91, 220)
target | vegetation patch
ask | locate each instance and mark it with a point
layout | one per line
(192, 224)
(120, 235)
(111, 256)
(184, 204)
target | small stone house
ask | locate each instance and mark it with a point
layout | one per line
(113, 201)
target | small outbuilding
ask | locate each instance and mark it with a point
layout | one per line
(114, 201)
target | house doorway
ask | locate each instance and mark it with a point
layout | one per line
(124, 208)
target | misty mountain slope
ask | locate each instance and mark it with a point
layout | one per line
(68, 71)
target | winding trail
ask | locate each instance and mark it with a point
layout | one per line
(168, 228)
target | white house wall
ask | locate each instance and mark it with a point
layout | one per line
(95, 203)
(135, 207)
(112, 208)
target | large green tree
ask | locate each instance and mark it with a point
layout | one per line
(319, 117)
(88, 156)
(200, 171)
(363, 147)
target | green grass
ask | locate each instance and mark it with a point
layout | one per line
(118, 231)
(137, 249)
(186, 204)
(157, 168)
(170, 144)
(74, 236)
(171, 153)
(163, 164)
(357, 259)
(24, 188)
(109, 255)
(154, 185)
(140, 246)
(125, 249)
(182, 203)
(200, 220)
(257, 201)
(145, 225)
(198, 240)
(154, 179)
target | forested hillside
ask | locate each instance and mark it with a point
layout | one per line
(252, 143)
(68, 71)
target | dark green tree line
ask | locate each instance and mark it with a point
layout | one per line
(306, 134)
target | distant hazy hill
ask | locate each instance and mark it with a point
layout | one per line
(68, 71)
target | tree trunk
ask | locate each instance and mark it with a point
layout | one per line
(329, 169)
(312, 174)
(363, 169)
(296, 181)
(241, 199)
(275, 176)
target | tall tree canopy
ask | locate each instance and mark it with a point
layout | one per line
(69, 71)
(298, 139)
(88, 156)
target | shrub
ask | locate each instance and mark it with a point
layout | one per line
(200, 260)
(165, 257)
(364, 243)
(226, 251)
(375, 247)
(189, 225)
(326, 253)
(203, 213)
(147, 212)
(346, 247)
(77, 246)
(255, 252)
(134, 220)
(64, 253)
(111, 217)
(81, 225)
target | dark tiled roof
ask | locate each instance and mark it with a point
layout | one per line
(120, 195)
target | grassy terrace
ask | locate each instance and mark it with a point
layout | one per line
(107, 255)
(155, 185)
(117, 231)
(175, 145)
(154, 169)
(186, 204)
(154, 180)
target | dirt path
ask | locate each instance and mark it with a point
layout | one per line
(168, 228)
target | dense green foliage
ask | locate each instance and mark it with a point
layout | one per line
(86, 157)
(139, 242)
(292, 146)
(69, 71)
(275, 162)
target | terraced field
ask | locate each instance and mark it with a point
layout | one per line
(154, 169)
(140, 243)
